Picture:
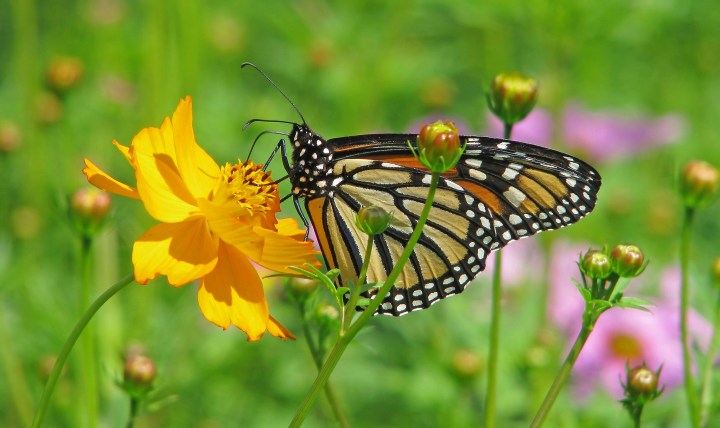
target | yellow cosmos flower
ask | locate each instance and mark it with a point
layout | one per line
(215, 221)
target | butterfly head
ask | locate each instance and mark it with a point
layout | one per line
(312, 157)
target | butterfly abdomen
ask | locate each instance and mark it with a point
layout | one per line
(311, 173)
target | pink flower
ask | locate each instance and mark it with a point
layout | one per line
(621, 335)
(536, 128)
(521, 263)
(605, 135)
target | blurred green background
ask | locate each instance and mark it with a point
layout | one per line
(351, 67)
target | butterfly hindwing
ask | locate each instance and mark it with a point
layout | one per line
(498, 192)
(459, 234)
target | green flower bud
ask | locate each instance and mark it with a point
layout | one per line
(138, 374)
(467, 365)
(627, 260)
(512, 97)
(439, 147)
(373, 220)
(596, 264)
(89, 208)
(10, 137)
(90, 204)
(642, 384)
(716, 272)
(699, 184)
(65, 73)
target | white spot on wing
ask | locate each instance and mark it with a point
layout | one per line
(514, 196)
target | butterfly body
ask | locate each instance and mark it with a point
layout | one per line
(498, 192)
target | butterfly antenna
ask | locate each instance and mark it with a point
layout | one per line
(251, 121)
(276, 87)
(258, 137)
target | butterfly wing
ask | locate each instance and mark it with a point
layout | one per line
(498, 192)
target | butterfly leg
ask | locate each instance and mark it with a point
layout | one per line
(296, 202)
(283, 151)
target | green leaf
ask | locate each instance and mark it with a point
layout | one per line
(634, 303)
(364, 302)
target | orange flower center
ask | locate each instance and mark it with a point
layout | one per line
(625, 347)
(251, 187)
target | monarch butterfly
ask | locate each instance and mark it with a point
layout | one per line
(499, 191)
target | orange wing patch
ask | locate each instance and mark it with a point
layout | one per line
(315, 209)
(484, 194)
(410, 161)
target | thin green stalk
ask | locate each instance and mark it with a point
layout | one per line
(70, 342)
(317, 359)
(343, 341)
(88, 368)
(355, 293)
(491, 396)
(690, 392)
(134, 406)
(637, 416)
(706, 396)
(563, 375)
(14, 373)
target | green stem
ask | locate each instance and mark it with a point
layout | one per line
(134, 406)
(317, 359)
(350, 307)
(88, 368)
(70, 342)
(637, 416)
(690, 391)
(490, 397)
(706, 393)
(343, 341)
(589, 319)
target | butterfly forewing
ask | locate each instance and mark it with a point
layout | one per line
(499, 191)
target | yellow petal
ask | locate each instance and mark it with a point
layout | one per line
(182, 251)
(103, 181)
(161, 188)
(198, 170)
(278, 330)
(233, 294)
(290, 227)
(125, 150)
(225, 222)
(277, 251)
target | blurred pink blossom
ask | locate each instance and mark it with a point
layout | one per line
(609, 135)
(536, 128)
(621, 335)
(522, 261)
(600, 135)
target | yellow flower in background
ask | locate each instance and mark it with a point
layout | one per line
(215, 221)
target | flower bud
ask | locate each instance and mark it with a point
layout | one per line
(90, 204)
(627, 260)
(439, 147)
(596, 264)
(716, 272)
(467, 364)
(699, 184)
(138, 374)
(10, 137)
(327, 313)
(48, 108)
(512, 96)
(373, 220)
(642, 383)
(64, 73)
